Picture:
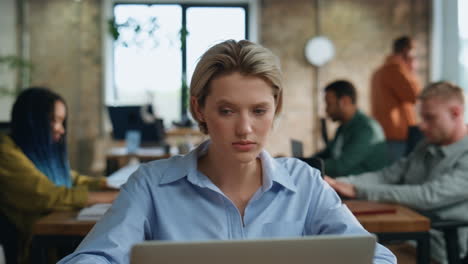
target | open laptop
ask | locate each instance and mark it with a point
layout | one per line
(312, 249)
(297, 148)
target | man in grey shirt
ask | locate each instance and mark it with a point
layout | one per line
(434, 177)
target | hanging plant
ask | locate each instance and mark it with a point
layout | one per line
(133, 32)
(183, 33)
(13, 62)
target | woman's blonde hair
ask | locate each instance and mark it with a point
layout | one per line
(244, 57)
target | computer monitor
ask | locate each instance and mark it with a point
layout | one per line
(125, 118)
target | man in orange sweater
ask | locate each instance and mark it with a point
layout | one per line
(394, 89)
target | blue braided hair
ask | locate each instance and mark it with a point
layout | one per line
(31, 129)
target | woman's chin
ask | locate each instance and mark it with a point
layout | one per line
(246, 157)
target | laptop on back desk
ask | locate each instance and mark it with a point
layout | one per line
(311, 249)
(297, 148)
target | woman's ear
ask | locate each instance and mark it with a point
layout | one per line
(197, 109)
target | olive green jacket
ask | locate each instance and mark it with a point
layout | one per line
(26, 194)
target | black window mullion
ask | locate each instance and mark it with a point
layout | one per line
(184, 90)
(246, 10)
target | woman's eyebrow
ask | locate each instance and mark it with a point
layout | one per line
(224, 102)
(262, 104)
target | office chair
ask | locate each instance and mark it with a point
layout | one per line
(323, 130)
(414, 137)
(449, 228)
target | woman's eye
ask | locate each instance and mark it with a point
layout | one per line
(260, 111)
(225, 111)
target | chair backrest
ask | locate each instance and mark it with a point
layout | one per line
(414, 136)
(323, 127)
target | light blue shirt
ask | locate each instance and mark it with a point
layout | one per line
(171, 200)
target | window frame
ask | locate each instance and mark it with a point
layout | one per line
(252, 29)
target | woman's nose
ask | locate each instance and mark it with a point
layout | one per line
(60, 129)
(244, 125)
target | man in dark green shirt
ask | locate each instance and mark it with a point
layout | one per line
(359, 143)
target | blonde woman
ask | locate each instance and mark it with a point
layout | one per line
(229, 187)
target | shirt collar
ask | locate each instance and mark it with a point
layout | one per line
(448, 150)
(186, 166)
(273, 171)
(456, 147)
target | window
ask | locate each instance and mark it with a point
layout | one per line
(152, 58)
(463, 32)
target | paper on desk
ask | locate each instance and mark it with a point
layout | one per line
(119, 177)
(94, 212)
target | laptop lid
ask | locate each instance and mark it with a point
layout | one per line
(297, 148)
(309, 249)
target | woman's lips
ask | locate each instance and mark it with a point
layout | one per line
(244, 146)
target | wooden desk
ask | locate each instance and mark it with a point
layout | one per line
(402, 219)
(184, 131)
(58, 229)
(402, 224)
(62, 223)
(118, 157)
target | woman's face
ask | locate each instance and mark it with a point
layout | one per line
(58, 119)
(239, 114)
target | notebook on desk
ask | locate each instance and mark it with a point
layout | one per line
(312, 249)
(120, 177)
(94, 212)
